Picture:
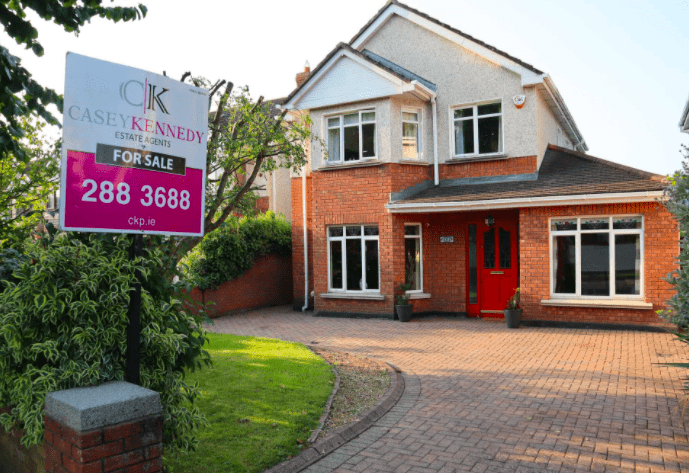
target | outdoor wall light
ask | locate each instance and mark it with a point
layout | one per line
(490, 220)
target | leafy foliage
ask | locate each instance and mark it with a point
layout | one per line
(26, 185)
(20, 95)
(513, 302)
(229, 251)
(62, 325)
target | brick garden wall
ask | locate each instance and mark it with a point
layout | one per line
(267, 283)
(661, 249)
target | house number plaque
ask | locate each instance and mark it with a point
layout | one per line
(447, 239)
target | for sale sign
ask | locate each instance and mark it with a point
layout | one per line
(133, 151)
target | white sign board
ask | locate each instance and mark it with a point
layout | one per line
(133, 151)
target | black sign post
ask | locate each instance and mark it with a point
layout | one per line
(134, 314)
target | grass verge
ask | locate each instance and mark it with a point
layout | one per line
(262, 398)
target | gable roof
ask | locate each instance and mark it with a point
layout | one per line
(356, 40)
(564, 175)
(684, 121)
(379, 65)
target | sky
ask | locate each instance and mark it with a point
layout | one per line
(622, 67)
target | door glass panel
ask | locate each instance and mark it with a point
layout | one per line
(473, 270)
(412, 263)
(595, 264)
(372, 264)
(489, 249)
(354, 273)
(628, 264)
(505, 249)
(564, 264)
(336, 264)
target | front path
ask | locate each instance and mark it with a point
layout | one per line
(484, 398)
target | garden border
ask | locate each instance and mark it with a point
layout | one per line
(350, 431)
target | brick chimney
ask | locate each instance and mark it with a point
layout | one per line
(302, 76)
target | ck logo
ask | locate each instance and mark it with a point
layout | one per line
(135, 93)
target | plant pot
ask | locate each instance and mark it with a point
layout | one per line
(513, 317)
(404, 312)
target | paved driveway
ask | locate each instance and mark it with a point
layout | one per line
(482, 398)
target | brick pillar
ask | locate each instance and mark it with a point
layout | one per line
(116, 426)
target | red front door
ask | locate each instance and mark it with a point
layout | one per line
(493, 267)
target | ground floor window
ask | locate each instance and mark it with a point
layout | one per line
(596, 256)
(413, 263)
(353, 258)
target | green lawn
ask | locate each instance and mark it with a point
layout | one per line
(261, 397)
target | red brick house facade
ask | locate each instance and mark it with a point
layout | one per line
(458, 168)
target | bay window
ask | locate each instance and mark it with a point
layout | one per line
(477, 129)
(413, 263)
(353, 258)
(351, 136)
(411, 134)
(596, 256)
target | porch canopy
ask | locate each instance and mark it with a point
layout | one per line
(565, 178)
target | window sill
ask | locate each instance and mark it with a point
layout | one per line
(357, 164)
(414, 162)
(471, 159)
(362, 296)
(418, 295)
(599, 303)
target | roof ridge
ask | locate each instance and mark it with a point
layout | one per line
(622, 167)
(446, 26)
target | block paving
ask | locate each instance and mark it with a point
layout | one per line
(483, 398)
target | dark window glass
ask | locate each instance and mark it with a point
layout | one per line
(372, 265)
(473, 270)
(489, 135)
(595, 224)
(564, 225)
(353, 231)
(354, 270)
(505, 249)
(564, 264)
(412, 263)
(465, 112)
(626, 223)
(351, 143)
(370, 231)
(368, 132)
(411, 230)
(336, 231)
(628, 264)
(336, 264)
(464, 137)
(595, 264)
(489, 108)
(489, 249)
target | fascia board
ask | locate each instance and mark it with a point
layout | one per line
(312, 81)
(582, 199)
(443, 32)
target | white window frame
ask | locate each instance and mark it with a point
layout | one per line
(612, 232)
(419, 131)
(342, 239)
(420, 238)
(475, 105)
(341, 127)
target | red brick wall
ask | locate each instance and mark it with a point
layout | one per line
(134, 446)
(267, 283)
(661, 241)
(521, 165)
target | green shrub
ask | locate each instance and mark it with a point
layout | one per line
(63, 325)
(229, 251)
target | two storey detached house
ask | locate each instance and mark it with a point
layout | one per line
(456, 167)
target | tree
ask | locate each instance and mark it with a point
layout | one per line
(26, 185)
(20, 95)
(247, 138)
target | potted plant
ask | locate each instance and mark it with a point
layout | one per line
(403, 306)
(513, 314)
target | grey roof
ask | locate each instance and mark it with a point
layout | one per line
(684, 122)
(399, 69)
(563, 172)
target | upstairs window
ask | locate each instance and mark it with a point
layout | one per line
(411, 134)
(352, 136)
(477, 130)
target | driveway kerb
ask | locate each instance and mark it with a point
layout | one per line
(341, 438)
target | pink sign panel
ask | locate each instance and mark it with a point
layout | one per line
(117, 198)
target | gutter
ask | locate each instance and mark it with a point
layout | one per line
(582, 199)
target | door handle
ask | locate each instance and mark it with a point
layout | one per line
(497, 272)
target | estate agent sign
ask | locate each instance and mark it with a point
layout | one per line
(133, 152)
